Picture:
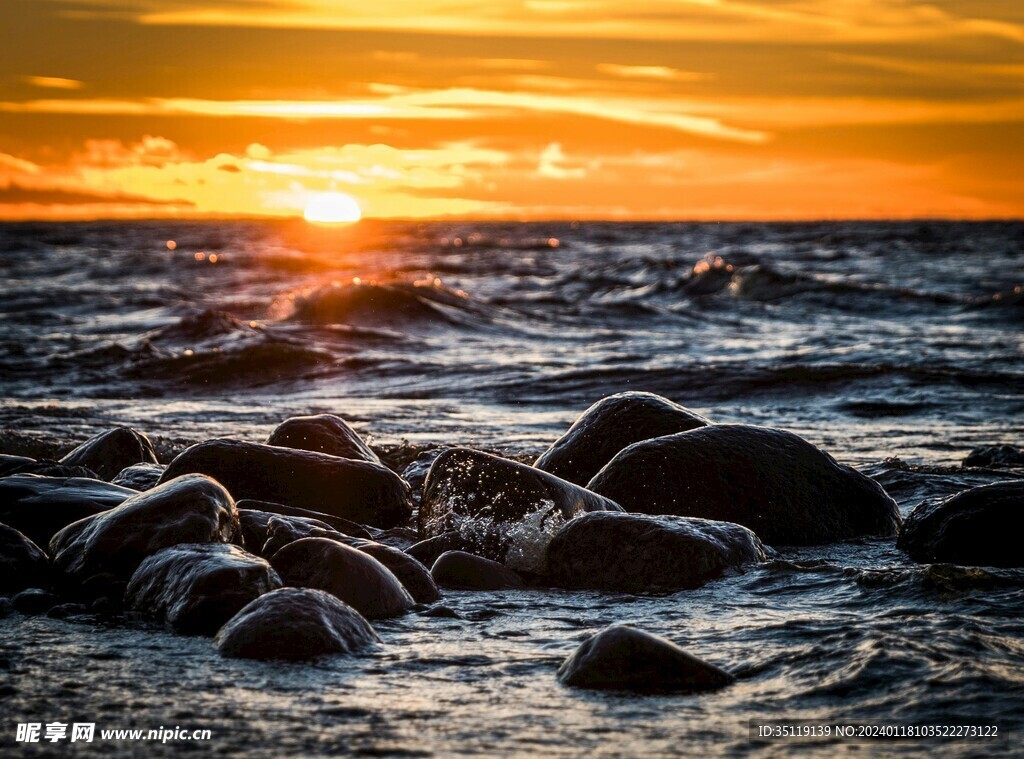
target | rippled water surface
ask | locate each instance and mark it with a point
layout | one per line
(871, 340)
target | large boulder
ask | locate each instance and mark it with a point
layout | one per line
(643, 553)
(197, 587)
(323, 433)
(41, 506)
(295, 624)
(139, 476)
(465, 571)
(977, 527)
(356, 578)
(110, 452)
(506, 511)
(610, 425)
(621, 657)
(189, 509)
(360, 491)
(772, 481)
(22, 563)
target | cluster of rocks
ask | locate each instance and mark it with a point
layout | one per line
(286, 549)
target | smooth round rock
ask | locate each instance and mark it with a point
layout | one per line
(110, 452)
(610, 425)
(978, 527)
(282, 531)
(139, 477)
(23, 465)
(359, 491)
(189, 509)
(197, 587)
(640, 553)
(22, 563)
(295, 624)
(772, 481)
(353, 576)
(621, 657)
(505, 510)
(427, 551)
(344, 526)
(39, 506)
(323, 433)
(413, 575)
(465, 571)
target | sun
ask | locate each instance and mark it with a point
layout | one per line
(332, 208)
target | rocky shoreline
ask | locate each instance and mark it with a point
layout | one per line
(289, 549)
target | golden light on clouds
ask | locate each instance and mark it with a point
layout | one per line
(665, 109)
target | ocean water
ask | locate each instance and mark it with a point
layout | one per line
(875, 341)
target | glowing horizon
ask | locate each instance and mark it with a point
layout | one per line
(549, 109)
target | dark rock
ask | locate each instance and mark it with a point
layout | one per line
(110, 452)
(772, 481)
(353, 576)
(22, 563)
(11, 464)
(34, 601)
(360, 491)
(621, 657)
(995, 456)
(418, 469)
(40, 506)
(413, 575)
(282, 531)
(465, 571)
(978, 527)
(23, 465)
(139, 477)
(6, 607)
(323, 433)
(642, 553)
(610, 425)
(189, 509)
(196, 588)
(295, 624)
(344, 526)
(444, 612)
(63, 611)
(505, 509)
(427, 551)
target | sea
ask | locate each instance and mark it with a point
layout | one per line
(896, 346)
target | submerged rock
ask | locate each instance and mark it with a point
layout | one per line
(505, 510)
(295, 624)
(12, 464)
(415, 473)
(110, 452)
(353, 576)
(323, 433)
(772, 481)
(189, 509)
(996, 456)
(644, 553)
(22, 563)
(360, 491)
(621, 657)
(139, 477)
(978, 527)
(40, 506)
(427, 551)
(34, 601)
(610, 425)
(464, 571)
(196, 588)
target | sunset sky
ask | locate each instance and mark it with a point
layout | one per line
(532, 109)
